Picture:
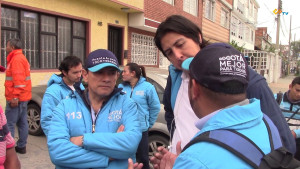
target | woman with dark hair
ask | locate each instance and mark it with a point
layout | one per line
(144, 94)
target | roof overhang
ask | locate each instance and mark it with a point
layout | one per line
(138, 21)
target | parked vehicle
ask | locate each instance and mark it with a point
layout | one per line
(158, 134)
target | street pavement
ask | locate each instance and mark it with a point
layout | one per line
(282, 84)
(37, 156)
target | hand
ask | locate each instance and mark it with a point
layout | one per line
(121, 128)
(14, 102)
(2, 69)
(294, 134)
(164, 159)
(135, 165)
(77, 140)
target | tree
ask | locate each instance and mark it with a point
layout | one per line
(295, 46)
(234, 44)
(271, 49)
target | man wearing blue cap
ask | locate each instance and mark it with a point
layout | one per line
(98, 128)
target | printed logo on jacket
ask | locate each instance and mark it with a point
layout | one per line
(115, 116)
(141, 93)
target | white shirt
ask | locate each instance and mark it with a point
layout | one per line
(184, 116)
(72, 87)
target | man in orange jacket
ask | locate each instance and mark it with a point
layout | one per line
(17, 92)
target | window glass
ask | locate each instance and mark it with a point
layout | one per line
(48, 56)
(48, 24)
(30, 36)
(191, 6)
(9, 18)
(169, 1)
(64, 39)
(46, 39)
(79, 48)
(209, 9)
(78, 29)
(5, 36)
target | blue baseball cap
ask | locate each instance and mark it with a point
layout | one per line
(100, 59)
(216, 65)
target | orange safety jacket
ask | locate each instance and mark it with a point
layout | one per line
(17, 81)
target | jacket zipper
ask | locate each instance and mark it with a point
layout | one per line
(131, 91)
(94, 123)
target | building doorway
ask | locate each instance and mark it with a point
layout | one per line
(115, 42)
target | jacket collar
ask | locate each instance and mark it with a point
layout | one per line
(286, 99)
(12, 54)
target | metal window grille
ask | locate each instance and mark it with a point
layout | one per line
(48, 54)
(29, 36)
(143, 50)
(9, 22)
(46, 39)
(79, 39)
(257, 59)
(64, 39)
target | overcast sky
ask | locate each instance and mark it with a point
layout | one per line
(266, 18)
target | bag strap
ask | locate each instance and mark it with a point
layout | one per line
(279, 97)
(240, 145)
(293, 114)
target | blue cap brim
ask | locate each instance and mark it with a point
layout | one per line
(101, 66)
(186, 64)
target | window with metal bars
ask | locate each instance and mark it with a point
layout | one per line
(46, 39)
(143, 50)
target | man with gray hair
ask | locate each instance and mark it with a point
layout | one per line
(17, 92)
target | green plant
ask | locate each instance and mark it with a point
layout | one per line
(234, 44)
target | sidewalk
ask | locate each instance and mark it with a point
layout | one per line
(282, 84)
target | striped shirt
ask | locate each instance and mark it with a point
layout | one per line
(6, 140)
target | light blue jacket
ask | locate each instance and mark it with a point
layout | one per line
(102, 149)
(56, 91)
(285, 104)
(246, 119)
(146, 96)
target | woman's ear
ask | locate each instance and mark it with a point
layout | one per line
(133, 74)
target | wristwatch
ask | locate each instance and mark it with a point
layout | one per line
(82, 139)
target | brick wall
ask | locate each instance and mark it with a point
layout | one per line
(259, 37)
(158, 10)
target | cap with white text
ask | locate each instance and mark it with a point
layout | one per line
(220, 68)
(100, 59)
